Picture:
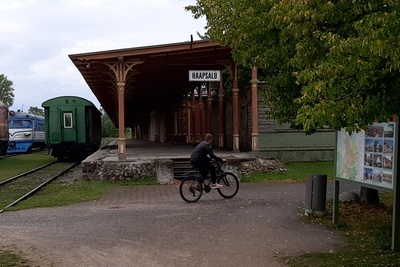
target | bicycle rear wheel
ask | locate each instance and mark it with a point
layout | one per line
(230, 183)
(190, 189)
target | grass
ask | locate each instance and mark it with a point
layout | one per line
(367, 229)
(59, 193)
(296, 171)
(15, 165)
(10, 259)
(106, 141)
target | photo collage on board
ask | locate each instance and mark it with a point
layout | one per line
(379, 152)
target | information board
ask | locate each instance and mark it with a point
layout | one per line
(367, 156)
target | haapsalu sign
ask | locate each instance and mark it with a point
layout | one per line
(204, 75)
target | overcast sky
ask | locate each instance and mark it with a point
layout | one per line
(38, 35)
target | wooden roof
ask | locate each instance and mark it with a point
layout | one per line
(161, 77)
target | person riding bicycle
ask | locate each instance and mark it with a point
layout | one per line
(201, 157)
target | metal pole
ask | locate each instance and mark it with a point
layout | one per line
(396, 196)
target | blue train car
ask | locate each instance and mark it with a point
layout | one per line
(73, 127)
(26, 132)
(3, 129)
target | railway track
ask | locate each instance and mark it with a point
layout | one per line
(8, 156)
(20, 187)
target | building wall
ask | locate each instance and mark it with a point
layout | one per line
(278, 140)
(275, 140)
(296, 146)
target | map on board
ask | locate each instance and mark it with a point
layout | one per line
(348, 157)
(367, 156)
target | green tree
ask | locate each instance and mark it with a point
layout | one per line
(36, 111)
(6, 91)
(107, 126)
(327, 63)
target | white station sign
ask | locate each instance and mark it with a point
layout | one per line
(204, 75)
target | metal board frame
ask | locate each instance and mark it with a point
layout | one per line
(395, 246)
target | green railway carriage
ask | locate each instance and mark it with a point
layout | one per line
(72, 126)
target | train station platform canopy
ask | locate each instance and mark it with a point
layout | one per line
(128, 82)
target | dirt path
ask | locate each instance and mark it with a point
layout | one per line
(151, 226)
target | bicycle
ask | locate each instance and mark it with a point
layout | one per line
(193, 185)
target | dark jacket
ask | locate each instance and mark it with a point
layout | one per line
(202, 152)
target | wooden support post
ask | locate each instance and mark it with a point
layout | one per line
(202, 114)
(197, 118)
(121, 121)
(192, 118)
(221, 117)
(121, 69)
(209, 108)
(235, 108)
(254, 109)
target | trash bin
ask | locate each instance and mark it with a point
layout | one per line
(316, 194)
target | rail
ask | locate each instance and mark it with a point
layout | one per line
(41, 182)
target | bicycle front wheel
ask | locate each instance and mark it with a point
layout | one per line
(190, 189)
(230, 183)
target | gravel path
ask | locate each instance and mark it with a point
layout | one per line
(152, 226)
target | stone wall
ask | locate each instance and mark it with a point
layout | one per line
(163, 169)
(261, 165)
(118, 171)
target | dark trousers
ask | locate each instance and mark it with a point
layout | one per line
(205, 167)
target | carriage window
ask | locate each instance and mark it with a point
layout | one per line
(21, 123)
(39, 126)
(26, 124)
(67, 120)
(16, 123)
